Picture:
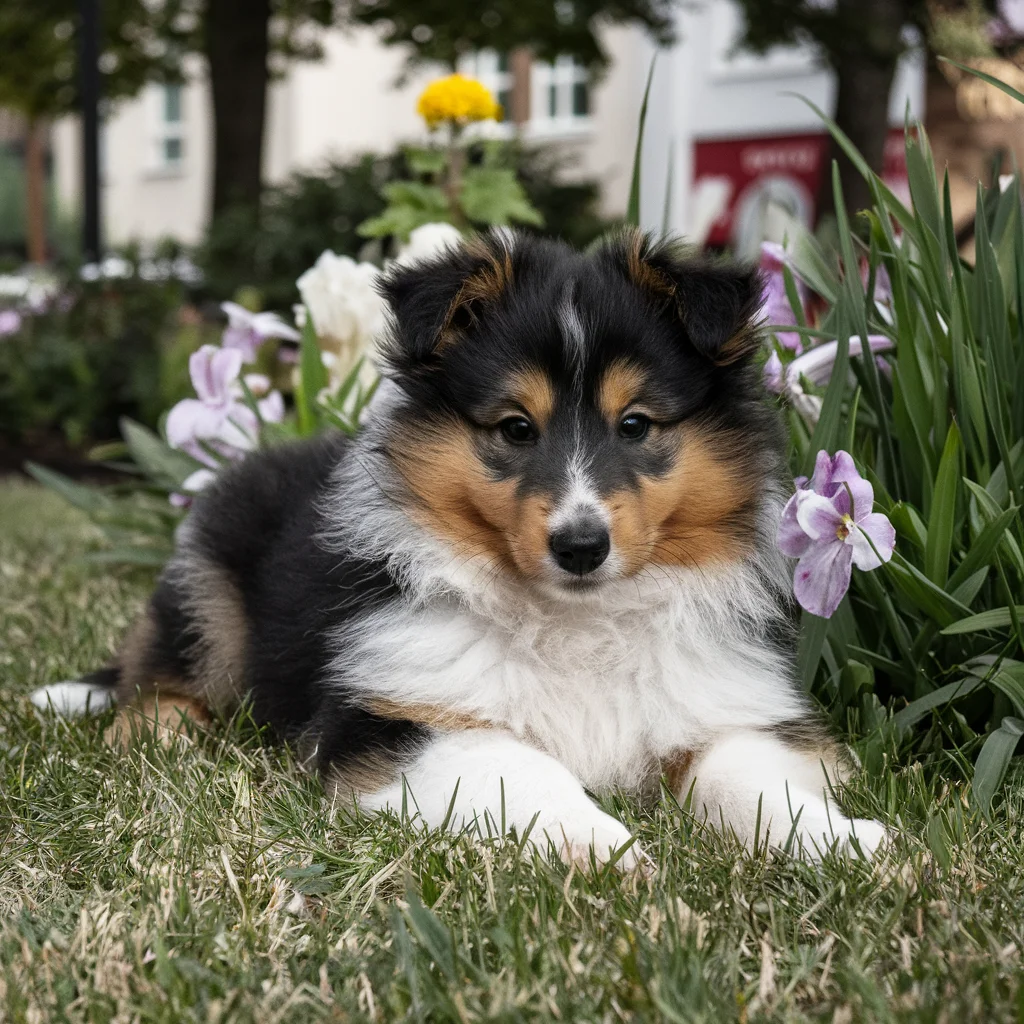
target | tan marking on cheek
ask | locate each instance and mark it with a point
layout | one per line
(698, 514)
(458, 500)
(620, 385)
(533, 390)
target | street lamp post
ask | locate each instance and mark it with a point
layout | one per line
(89, 87)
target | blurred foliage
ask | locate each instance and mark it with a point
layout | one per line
(98, 351)
(312, 212)
(486, 193)
(443, 30)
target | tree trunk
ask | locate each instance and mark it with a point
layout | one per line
(864, 78)
(35, 190)
(236, 50)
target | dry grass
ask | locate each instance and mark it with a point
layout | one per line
(212, 882)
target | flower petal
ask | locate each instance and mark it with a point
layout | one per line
(774, 375)
(818, 516)
(872, 541)
(821, 478)
(190, 419)
(272, 408)
(792, 540)
(196, 481)
(822, 577)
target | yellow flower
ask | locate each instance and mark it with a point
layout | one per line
(456, 98)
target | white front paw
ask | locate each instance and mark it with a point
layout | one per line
(817, 836)
(581, 834)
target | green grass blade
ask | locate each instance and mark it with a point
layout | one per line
(633, 207)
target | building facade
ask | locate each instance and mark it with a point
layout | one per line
(156, 148)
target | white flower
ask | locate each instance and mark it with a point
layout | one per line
(426, 241)
(347, 310)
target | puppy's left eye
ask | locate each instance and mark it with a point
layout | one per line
(518, 430)
(634, 427)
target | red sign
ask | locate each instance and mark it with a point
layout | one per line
(738, 182)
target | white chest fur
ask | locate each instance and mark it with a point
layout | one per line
(608, 689)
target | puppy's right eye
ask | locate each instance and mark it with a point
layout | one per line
(517, 430)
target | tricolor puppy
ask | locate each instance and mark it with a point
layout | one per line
(547, 564)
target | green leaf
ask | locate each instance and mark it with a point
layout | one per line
(493, 196)
(1002, 86)
(916, 710)
(312, 379)
(633, 207)
(994, 618)
(993, 761)
(943, 511)
(812, 638)
(422, 160)
(156, 457)
(410, 204)
(88, 499)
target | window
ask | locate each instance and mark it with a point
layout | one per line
(559, 93)
(561, 96)
(492, 69)
(169, 140)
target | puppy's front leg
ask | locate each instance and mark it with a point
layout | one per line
(481, 766)
(747, 773)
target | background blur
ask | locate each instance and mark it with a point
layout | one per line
(238, 139)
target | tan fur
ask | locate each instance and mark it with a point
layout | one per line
(620, 385)
(641, 273)
(430, 715)
(216, 606)
(690, 516)
(743, 343)
(164, 714)
(675, 768)
(458, 500)
(485, 285)
(533, 391)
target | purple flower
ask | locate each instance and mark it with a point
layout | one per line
(775, 305)
(830, 527)
(216, 421)
(10, 322)
(247, 331)
(815, 366)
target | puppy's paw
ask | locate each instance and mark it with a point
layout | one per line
(579, 836)
(72, 698)
(836, 834)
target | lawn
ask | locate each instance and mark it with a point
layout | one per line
(212, 881)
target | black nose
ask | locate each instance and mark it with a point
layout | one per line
(580, 551)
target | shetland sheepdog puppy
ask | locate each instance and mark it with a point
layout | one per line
(545, 567)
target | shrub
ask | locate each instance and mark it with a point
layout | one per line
(86, 352)
(312, 212)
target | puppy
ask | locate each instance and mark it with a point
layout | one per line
(546, 565)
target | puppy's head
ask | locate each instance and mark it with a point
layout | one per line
(577, 419)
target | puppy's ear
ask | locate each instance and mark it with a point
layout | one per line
(435, 302)
(716, 303)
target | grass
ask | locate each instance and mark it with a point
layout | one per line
(213, 882)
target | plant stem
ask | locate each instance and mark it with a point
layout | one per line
(453, 181)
